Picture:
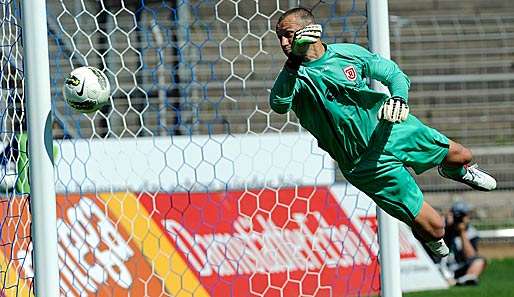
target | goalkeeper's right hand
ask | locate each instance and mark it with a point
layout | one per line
(303, 38)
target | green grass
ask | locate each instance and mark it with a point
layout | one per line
(496, 281)
(494, 224)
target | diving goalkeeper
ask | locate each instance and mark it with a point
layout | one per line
(370, 134)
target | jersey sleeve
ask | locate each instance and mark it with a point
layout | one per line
(283, 92)
(383, 70)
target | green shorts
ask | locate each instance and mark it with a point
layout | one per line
(382, 171)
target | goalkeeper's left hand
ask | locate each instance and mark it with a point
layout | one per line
(303, 38)
(394, 110)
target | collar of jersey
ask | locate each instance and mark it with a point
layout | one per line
(318, 60)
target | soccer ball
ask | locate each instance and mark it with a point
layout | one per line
(86, 89)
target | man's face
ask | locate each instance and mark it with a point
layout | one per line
(285, 32)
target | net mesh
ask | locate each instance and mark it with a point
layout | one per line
(186, 184)
(14, 205)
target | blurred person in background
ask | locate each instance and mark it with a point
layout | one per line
(463, 266)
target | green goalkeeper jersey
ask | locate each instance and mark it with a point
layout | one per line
(332, 100)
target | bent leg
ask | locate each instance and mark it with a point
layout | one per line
(429, 228)
(455, 166)
(458, 155)
(469, 273)
(428, 225)
(477, 266)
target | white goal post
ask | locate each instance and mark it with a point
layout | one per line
(39, 123)
(378, 33)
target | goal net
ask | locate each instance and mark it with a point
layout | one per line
(186, 184)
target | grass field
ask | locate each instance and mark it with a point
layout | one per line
(497, 281)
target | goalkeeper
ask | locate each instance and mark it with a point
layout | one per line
(371, 135)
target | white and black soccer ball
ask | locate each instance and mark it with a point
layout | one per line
(86, 89)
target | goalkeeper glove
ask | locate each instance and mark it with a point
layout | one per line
(300, 44)
(394, 110)
(305, 37)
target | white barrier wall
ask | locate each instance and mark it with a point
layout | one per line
(183, 163)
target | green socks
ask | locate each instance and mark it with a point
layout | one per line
(454, 172)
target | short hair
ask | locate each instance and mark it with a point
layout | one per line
(304, 14)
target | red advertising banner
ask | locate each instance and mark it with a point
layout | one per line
(285, 242)
(97, 255)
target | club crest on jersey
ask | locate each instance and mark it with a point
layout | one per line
(350, 73)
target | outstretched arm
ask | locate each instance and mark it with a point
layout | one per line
(388, 73)
(467, 248)
(287, 84)
(381, 69)
(395, 109)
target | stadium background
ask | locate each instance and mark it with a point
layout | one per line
(205, 75)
